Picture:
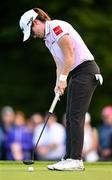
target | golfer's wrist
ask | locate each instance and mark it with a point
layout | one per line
(62, 77)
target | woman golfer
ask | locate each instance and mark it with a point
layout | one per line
(73, 59)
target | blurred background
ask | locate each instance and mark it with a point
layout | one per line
(27, 71)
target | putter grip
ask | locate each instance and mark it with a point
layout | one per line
(55, 100)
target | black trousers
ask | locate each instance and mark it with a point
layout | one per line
(81, 86)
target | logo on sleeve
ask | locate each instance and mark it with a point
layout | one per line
(57, 30)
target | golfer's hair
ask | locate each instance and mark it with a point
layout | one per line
(42, 16)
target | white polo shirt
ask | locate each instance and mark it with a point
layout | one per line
(54, 30)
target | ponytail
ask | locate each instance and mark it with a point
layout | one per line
(42, 16)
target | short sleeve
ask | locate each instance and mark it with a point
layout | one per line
(58, 28)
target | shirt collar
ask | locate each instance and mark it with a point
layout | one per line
(47, 28)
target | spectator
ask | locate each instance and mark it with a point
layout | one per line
(105, 134)
(51, 145)
(1, 143)
(19, 140)
(7, 121)
(36, 119)
(7, 118)
(90, 147)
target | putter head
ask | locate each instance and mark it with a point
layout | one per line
(28, 162)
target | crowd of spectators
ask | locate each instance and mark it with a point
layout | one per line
(18, 136)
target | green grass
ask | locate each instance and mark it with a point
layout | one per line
(10, 170)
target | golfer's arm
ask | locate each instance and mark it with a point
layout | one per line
(58, 70)
(66, 46)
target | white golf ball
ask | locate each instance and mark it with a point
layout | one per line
(30, 169)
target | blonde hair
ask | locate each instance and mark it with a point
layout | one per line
(42, 16)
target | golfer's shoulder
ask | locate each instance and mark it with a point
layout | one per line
(55, 23)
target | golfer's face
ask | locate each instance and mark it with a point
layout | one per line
(37, 30)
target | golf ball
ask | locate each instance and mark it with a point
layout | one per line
(30, 169)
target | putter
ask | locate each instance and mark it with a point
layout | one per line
(55, 100)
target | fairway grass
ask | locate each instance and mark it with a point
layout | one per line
(11, 170)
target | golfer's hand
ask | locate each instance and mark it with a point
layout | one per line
(61, 86)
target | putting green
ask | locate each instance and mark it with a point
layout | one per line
(11, 170)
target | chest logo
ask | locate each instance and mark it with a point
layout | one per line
(57, 30)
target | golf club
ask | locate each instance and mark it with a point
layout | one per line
(55, 100)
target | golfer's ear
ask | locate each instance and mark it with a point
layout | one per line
(35, 21)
